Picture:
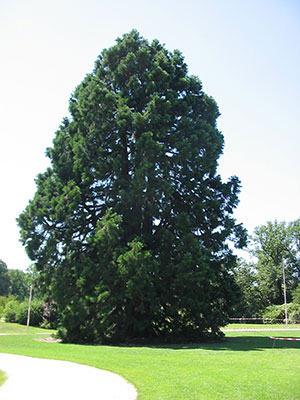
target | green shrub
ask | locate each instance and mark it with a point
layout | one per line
(11, 310)
(41, 314)
(294, 313)
(3, 301)
(296, 295)
(274, 313)
(36, 313)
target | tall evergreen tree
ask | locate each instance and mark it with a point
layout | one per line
(129, 228)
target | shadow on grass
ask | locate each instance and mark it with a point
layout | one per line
(237, 343)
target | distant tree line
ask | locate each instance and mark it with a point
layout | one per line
(14, 294)
(261, 280)
(14, 282)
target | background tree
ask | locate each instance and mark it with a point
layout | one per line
(4, 279)
(296, 295)
(252, 301)
(272, 243)
(294, 250)
(129, 228)
(19, 283)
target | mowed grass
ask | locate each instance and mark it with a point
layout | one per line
(6, 327)
(247, 365)
(261, 326)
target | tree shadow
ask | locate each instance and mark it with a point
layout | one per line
(237, 343)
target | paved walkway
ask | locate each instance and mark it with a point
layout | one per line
(34, 379)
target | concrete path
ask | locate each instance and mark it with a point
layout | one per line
(34, 379)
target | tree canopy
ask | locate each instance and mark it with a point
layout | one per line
(272, 243)
(4, 279)
(252, 301)
(13, 282)
(261, 280)
(19, 283)
(129, 228)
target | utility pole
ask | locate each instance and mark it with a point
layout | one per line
(284, 292)
(29, 304)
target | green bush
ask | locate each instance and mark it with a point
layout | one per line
(41, 314)
(36, 313)
(11, 310)
(294, 313)
(3, 301)
(17, 312)
(274, 313)
(296, 295)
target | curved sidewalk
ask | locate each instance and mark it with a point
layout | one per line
(35, 379)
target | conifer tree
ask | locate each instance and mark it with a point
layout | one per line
(129, 228)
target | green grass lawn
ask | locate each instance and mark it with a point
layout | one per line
(6, 327)
(261, 326)
(247, 365)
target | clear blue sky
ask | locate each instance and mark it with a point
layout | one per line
(246, 53)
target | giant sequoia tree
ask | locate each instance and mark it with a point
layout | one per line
(129, 228)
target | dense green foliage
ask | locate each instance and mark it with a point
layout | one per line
(10, 310)
(17, 312)
(19, 283)
(296, 295)
(14, 304)
(251, 303)
(4, 279)
(272, 243)
(3, 301)
(274, 313)
(41, 313)
(129, 228)
(261, 281)
(14, 282)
